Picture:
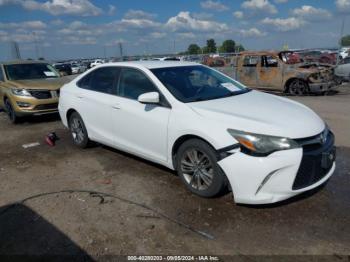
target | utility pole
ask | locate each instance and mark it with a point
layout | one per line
(15, 53)
(36, 46)
(121, 49)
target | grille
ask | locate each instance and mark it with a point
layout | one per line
(40, 94)
(315, 163)
(46, 106)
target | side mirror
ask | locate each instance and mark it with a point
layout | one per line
(149, 98)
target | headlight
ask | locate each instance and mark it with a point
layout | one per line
(262, 144)
(20, 92)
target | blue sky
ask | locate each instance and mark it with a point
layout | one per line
(91, 28)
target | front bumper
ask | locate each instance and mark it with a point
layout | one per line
(36, 106)
(321, 87)
(266, 180)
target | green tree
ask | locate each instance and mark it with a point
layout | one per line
(211, 47)
(240, 48)
(228, 46)
(345, 41)
(193, 49)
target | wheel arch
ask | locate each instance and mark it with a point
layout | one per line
(69, 113)
(182, 139)
(290, 80)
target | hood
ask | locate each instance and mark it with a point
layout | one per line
(47, 84)
(262, 113)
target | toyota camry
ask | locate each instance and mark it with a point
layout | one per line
(215, 132)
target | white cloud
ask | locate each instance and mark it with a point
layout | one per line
(263, 6)
(63, 7)
(138, 24)
(111, 10)
(238, 14)
(139, 14)
(308, 12)
(284, 25)
(343, 6)
(158, 35)
(186, 35)
(252, 32)
(202, 16)
(57, 22)
(185, 22)
(214, 5)
(8, 2)
(76, 40)
(25, 25)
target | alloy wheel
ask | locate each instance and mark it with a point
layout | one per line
(297, 88)
(77, 130)
(197, 169)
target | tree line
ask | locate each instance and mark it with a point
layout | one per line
(345, 41)
(228, 46)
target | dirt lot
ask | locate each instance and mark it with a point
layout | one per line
(317, 223)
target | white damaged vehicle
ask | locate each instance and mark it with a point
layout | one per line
(216, 133)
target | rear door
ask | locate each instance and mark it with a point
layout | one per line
(95, 100)
(140, 128)
(247, 71)
(270, 73)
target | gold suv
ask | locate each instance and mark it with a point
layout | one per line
(29, 88)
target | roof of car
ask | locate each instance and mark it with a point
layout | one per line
(16, 62)
(154, 64)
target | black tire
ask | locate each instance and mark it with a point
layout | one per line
(298, 87)
(11, 112)
(218, 181)
(78, 131)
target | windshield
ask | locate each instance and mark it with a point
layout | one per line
(197, 83)
(30, 71)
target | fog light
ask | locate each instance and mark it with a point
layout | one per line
(23, 104)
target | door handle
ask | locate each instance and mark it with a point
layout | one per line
(116, 106)
(80, 96)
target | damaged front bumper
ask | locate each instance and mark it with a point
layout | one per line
(279, 176)
(321, 87)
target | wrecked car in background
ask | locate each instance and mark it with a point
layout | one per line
(283, 71)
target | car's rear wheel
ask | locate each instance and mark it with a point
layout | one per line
(78, 130)
(196, 164)
(298, 87)
(11, 112)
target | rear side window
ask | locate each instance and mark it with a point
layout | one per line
(101, 80)
(134, 83)
(250, 61)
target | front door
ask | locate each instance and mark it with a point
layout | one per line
(139, 128)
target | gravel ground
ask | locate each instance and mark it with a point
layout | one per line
(317, 223)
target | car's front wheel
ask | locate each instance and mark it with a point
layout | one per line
(196, 164)
(298, 87)
(11, 112)
(78, 130)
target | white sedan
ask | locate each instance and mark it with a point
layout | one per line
(216, 133)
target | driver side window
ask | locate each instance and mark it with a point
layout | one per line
(134, 83)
